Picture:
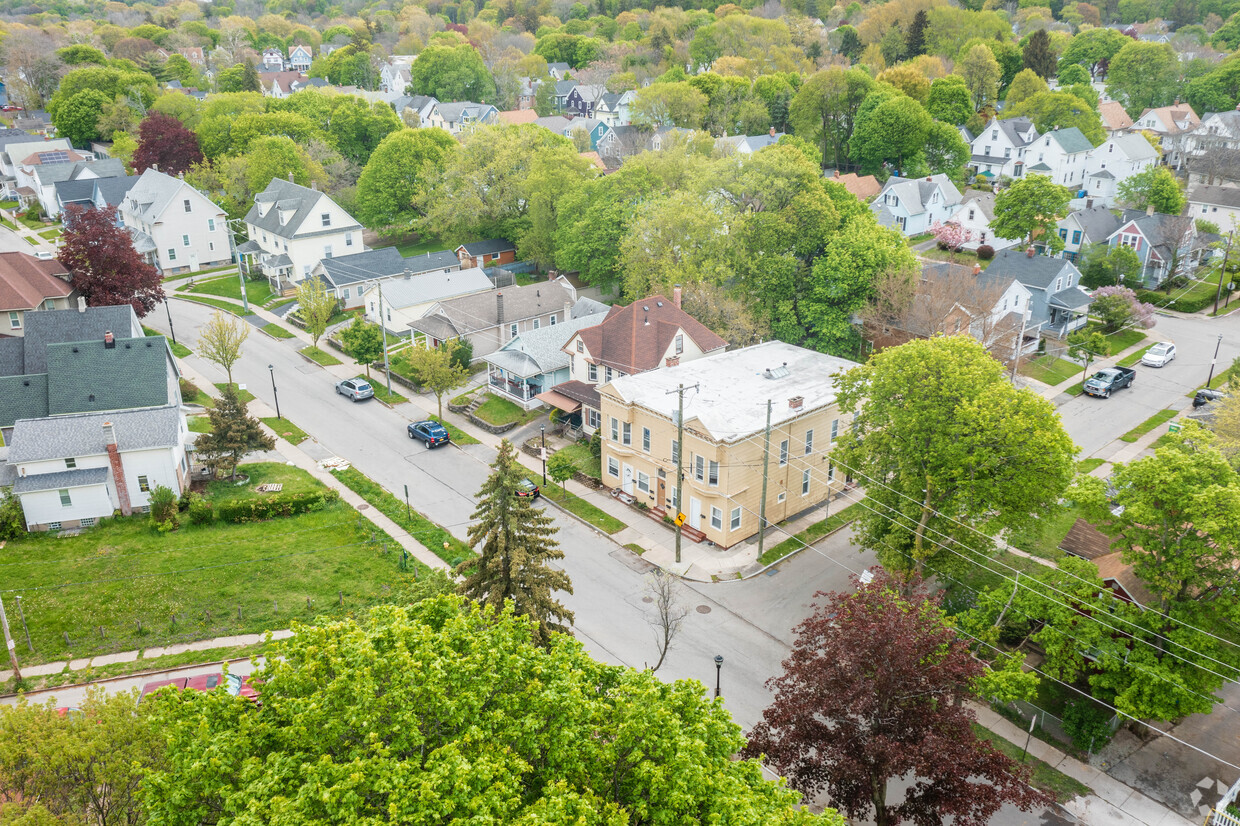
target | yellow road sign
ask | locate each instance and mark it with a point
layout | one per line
(680, 519)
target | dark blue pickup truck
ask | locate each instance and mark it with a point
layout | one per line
(1106, 381)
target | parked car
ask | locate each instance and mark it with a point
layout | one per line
(528, 488)
(1205, 396)
(233, 684)
(1160, 355)
(1107, 381)
(432, 434)
(356, 389)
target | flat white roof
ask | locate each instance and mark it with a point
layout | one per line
(733, 387)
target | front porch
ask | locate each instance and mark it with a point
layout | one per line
(518, 389)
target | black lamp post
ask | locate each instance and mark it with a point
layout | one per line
(171, 329)
(544, 453)
(1217, 345)
(271, 368)
(718, 672)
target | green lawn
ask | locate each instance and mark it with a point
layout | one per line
(1087, 465)
(226, 306)
(1148, 425)
(286, 429)
(245, 396)
(383, 395)
(1133, 358)
(811, 534)
(31, 222)
(419, 527)
(189, 584)
(1076, 389)
(179, 350)
(424, 244)
(963, 258)
(1042, 538)
(497, 411)
(32, 242)
(1045, 777)
(600, 519)
(50, 234)
(1050, 370)
(319, 356)
(584, 459)
(1120, 340)
(459, 436)
(228, 286)
(1194, 298)
(199, 424)
(276, 331)
(7, 224)
(294, 480)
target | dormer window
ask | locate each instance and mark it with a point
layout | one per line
(994, 134)
(187, 205)
(327, 219)
(680, 344)
(1058, 284)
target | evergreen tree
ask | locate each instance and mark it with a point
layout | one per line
(516, 545)
(234, 433)
(916, 40)
(250, 81)
(1038, 55)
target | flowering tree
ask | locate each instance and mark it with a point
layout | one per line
(950, 236)
(1118, 307)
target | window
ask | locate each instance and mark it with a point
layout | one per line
(716, 518)
(185, 240)
(680, 344)
(551, 319)
(781, 497)
(87, 522)
(1076, 236)
(1063, 233)
(326, 218)
(144, 485)
(699, 468)
(348, 239)
(15, 321)
(675, 452)
(536, 324)
(592, 372)
(1130, 240)
(210, 225)
(70, 463)
(830, 472)
(53, 526)
(643, 482)
(512, 331)
(615, 430)
(971, 214)
(613, 467)
(805, 482)
(809, 442)
(581, 347)
(66, 501)
(172, 254)
(994, 136)
(327, 251)
(594, 418)
(673, 501)
(783, 452)
(626, 433)
(646, 439)
(1007, 152)
(712, 476)
(608, 373)
(835, 429)
(1058, 284)
(186, 203)
(345, 294)
(49, 304)
(736, 519)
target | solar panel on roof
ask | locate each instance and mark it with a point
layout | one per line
(59, 156)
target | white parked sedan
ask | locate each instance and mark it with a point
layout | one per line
(1160, 355)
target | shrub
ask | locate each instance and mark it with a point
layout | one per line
(200, 510)
(189, 390)
(596, 444)
(1087, 724)
(985, 252)
(256, 510)
(164, 508)
(12, 519)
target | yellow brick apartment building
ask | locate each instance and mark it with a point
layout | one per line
(725, 407)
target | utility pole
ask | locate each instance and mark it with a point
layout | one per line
(232, 248)
(766, 462)
(680, 461)
(8, 641)
(1223, 271)
(387, 367)
(1016, 350)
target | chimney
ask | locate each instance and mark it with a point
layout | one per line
(772, 131)
(1149, 210)
(314, 185)
(1029, 252)
(977, 269)
(1089, 203)
(81, 303)
(676, 296)
(499, 308)
(118, 469)
(673, 361)
(929, 179)
(155, 166)
(796, 402)
(290, 177)
(181, 175)
(109, 341)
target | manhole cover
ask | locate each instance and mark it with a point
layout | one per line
(703, 609)
(363, 506)
(647, 599)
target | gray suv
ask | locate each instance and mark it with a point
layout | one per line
(356, 389)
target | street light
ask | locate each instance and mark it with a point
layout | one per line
(271, 368)
(171, 329)
(718, 672)
(1217, 345)
(544, 453)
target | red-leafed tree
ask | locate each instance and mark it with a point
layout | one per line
(875, 690)
(106, 268)
(163, 141)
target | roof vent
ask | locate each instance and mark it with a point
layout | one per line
(26, 383)
(127, 345)
(75, 349)
(91, 397)
(658, 304)
(646, 309)
(148, 344)
(796, 402)
(777, 372)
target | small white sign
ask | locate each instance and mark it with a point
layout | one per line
(542, 452)
(866, 577)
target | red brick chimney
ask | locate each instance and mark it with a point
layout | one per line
(676, 296)
(1029, 252)
(977, 269)
(118, 469)
(109, 341)
(772, 131)
(673, 361)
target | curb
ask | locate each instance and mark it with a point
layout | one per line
(805, 546)
(123, 677)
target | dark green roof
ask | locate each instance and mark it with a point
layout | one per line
(22, 397)
(88, 376)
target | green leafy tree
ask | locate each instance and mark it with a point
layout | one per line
(363, 341)
(544, 98)
(80, 53)
(315, 307)
(234, 433)
(516, 542)
(451, 73)
(358, 127)
(945, 150)
(221, 339)
(1029, 209)
(1071, 74)
(981, 75)
(77, 118)
(1105, 266)
(894, 131)
(239, 78)
(1157, 187)
(1062, 110)
(1086, 346)
(460, 699)
(1026, 84)
(438, 369)
(1144, 76)
(949, 100)
(111, 82)
(1093, 49)
(961, 453)
(1038, 55)
(12, 518)
(824, 110)
(392, 188)
(561, 467)
(669, 104)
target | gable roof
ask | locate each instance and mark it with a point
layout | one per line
(303, 201)
(1113, 115)
(46, 327)
(1228, 196)
(1177, 118)
(25, 281)
(470, 313)
(81, 434)
(343, 270)
(864, 187)
(1135, 147)
(1085, 541)
(915, 193)
(434, 286)
(490, 246)
(48, 174)
(985, 201)
(1113, 571)
(285, 80)
(634, 338)
(1040, 271)
(1072, 140)
(514, 116)
(113, 190)
(88, 375)
(154, 191)
(1014, 128)
(542, 350)
(1097, 223)
(457, 111)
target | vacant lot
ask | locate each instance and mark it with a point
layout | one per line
(123, 586)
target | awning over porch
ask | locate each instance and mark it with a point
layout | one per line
(560, 402)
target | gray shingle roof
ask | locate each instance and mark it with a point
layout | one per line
(301, 200)
(9, 135)
(491, 246)
(1228, 196)
(1097, 223)
(588, 306)
(540, 351)
(915, 193)
(68, 192)
(454, 112)
(78, 478)
(106, 168)
(154, 191)
(1071, 299)
(22, 397)
(61, 437)
(12, 356)
(1013, 127)
(1039, 271)
(88, 376)
(434, 286)
(53, 326)
(471, 313)
(1072, 140)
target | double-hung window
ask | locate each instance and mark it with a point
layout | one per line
(805, 482)
(736, 519)
(699, 468)
(643, 482)
(646, 439)
(809, 442)
(783, 452)
(615, 429)
(626, 430)
(712, 474)
(613, 467)
(716, 518)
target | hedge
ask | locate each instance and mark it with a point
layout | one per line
(290, 504)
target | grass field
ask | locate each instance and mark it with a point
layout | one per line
(276, 331)
(1148, 425)
(423, 245)
(383, 395)
(811, 534)
(245, 396)
(199, 424)
(258, 292)
(122, 585)
(50, 234)
(1050, 370)
(286, 429)
(1120, 340)
(179, 350)
(584, 459)
(497, 411)
(294, 480)
(574, 504)
(225, 306)
(419, 527)
(318, 356)
(1087, 465)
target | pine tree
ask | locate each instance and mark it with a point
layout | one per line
(916, 40)
(516, 541)
(1038, 55)
(250, 81)
(234, 433)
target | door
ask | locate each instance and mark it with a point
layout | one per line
(193, 262)
(695, 513)
(662, 492)
(627, 484)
